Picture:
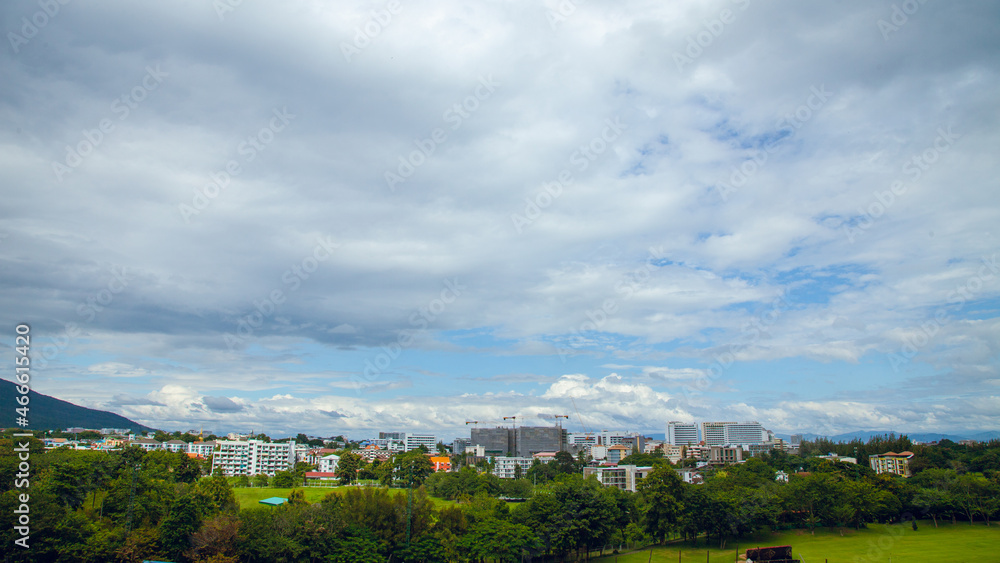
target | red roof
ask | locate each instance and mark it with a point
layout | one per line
(320, 474)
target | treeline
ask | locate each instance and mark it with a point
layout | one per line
(132, 506)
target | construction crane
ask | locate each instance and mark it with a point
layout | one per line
(514, 418)
(547, 416)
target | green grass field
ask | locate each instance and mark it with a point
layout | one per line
(251, 496)
(959, 543)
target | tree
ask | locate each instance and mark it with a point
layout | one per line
(181, 522)
(662, 490)
(284, 480)
(413, 467)
(260, 480)
(347, 467)
(219, 494)
(497, 539)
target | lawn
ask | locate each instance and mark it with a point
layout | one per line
(946, 544)
(249, 497)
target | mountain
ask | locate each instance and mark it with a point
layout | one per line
(49, 413)
(865, 435)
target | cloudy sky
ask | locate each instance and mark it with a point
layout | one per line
(335, 219)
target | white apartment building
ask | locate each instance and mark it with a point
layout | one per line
(253, 457)
(175, 446)
(505, 467)
(625, 477)
(682, 433)
(414, 441)
(735, 433)
(327, 463)
(203, 449)
(746, 433)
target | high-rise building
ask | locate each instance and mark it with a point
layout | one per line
(714, 433)
(525, 441)
(682, 433)
(495, 441)
(529, 440)
(745, 433)
(458, 446)
(414, 441)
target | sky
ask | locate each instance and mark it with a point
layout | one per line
(341, 218)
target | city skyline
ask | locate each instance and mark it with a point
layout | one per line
(305, 218)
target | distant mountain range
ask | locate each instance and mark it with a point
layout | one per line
(49, 413)
(865, 435)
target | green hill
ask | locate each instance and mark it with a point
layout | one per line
(49, 413)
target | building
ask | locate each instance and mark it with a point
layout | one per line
(371, 452)
(203, 449)
(726, 454)
(714, 433)
(441, 463)
(328, 463)
(618, 453)
(529, 440)
(175, 446)
(834, 457)
(682, 433)
(497, 441)
(652, 446)
(891, 462)
(414, 441)
(507, 467)
(743, 433)
(625, 477)
(674, 453)
(147, 444)
(458, 446)
(581, 439)
(253, 457)
(690, 475)
(475, 451)
(522, 442)
(321, 478)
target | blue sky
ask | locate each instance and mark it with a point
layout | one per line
(340, 220)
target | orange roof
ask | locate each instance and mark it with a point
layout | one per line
(441, 459)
